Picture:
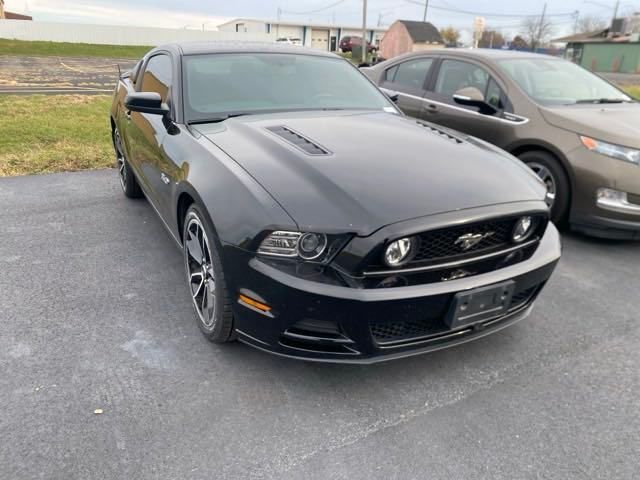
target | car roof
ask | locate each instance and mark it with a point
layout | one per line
(488, 54)
(198, 48)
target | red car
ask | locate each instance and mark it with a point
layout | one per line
(347, 44)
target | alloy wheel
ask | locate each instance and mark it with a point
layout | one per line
(200, 274)
(547, 177)
(122, 167)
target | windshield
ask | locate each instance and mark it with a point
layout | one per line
(551, 81)
(219, 84)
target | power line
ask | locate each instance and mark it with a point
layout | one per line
(317, 10)
(487, 14)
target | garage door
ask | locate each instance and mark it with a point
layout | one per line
(320, 39)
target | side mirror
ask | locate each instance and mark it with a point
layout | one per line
(392, 94)
(146, 102)
(472, 97)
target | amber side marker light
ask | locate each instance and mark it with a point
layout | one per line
(254, 303)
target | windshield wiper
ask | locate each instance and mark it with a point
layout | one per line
(601, 100)
(221, 118)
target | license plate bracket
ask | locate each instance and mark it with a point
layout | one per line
(480, 304)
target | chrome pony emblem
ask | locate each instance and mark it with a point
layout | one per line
(469, 240)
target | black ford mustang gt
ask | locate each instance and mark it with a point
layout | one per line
(316, 220)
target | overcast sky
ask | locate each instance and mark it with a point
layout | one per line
(505, 15)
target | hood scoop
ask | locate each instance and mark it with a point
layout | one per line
(299, 141)
(442, 133)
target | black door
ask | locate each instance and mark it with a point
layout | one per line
(147, 133)
(409, 79)
(334, 44)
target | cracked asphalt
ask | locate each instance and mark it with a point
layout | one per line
(94, 314)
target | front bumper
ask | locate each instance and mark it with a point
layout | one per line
(603, 219)
(330, 323)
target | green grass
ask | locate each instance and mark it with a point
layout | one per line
(633, 90)
(63, 49)
(59, 133)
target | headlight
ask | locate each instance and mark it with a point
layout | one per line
(523, 229)
(308, 246)
(399, 252)
(311, 245)
(611, 150)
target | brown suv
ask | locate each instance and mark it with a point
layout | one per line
(578, 132)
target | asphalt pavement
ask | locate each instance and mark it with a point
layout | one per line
(53, 75)
(94, 314)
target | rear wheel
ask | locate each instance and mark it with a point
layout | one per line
(205, 278)
(548, 168)
(127, 179)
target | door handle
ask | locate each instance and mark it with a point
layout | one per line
(164, 179)
(127, 114)
(431, 107)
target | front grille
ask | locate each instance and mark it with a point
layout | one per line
(441, 244)
(407, 330)
(445, 254)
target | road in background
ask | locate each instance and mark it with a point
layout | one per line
(48, 75)
(95, 314)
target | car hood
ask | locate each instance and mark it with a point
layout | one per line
(617, 123)
(380, 168)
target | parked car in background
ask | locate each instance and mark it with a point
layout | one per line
(289, 41)
(347, 44)
(578, 132)
(315, 220)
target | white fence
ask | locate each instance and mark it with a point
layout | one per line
(116, 35)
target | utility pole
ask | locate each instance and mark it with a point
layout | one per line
(364, 31)
(544, 12)
(279, 13)
(426, 7)
(575, 25)
(615, 11)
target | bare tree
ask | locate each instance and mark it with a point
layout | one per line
(591, 23)
(536, 31)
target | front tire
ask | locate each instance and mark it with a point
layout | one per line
(126, 176)
(205, 277)
(550, 171)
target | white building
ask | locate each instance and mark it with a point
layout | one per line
(324, 37)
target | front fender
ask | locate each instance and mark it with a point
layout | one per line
(239, 207)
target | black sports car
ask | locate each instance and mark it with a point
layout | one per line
(316, 220)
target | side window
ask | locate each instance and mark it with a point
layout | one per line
(390, 74)
(455, 75)
(494, 95)
(157, 76)
(411, 74)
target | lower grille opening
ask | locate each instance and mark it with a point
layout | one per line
(320, 336)
(433, 329)
(523, 297)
